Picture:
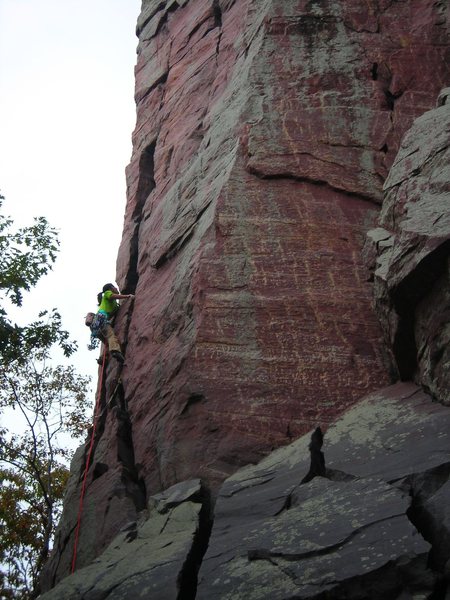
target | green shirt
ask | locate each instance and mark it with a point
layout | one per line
(108, 304)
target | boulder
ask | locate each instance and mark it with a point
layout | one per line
(355, 533)
(374, 525)
(410, 254)
(149, 559)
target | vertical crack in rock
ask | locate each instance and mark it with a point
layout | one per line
(317, 468)
(134, 485)
(391, 98)
(188, 579)
(145, 187)
(374, 71)
(217, 12)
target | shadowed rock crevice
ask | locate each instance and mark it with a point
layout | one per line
(260, 174)
(217, 12)
(317, 467)
(146, 185)
(188, 579)
(406, 296)
(193, 399)
(391, 98)
(134, 484)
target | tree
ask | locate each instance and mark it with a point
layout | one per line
(44, 402)
(25, 256)
(51, 401)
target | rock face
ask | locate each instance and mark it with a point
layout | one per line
(412, 250)
(265, 132)
(149, 560)
(375, 526)
(346, 535)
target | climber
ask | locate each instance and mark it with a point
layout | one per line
(100, 323)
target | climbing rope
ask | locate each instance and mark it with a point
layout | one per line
(88, 460)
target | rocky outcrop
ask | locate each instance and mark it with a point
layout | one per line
(374, 526)
(151, 559)
(265, 132)
(412, 253)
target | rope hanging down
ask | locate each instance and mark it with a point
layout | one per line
(88, 460)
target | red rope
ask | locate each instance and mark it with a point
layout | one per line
(88, 460)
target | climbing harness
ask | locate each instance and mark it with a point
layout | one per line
(97, 324)
(88, 460)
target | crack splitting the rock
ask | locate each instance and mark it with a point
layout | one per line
(160, 81)
(237, 491)
(263, 554)
(188, 577)
(319, 182)
(179, 243)
(418, 170)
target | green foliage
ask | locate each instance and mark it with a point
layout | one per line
(44, 403)
(25, 256)
(49, 402)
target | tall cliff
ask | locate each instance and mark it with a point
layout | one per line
(265, 132)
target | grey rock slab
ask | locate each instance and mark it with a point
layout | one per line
(147, 567)
(436, 517)
(275, 538)
(175, 495)
(334, 532)
(428, 137)
(391, 434)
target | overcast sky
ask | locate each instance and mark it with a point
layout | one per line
(67, 113)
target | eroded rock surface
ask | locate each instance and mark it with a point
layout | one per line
(351, 534)
(375, 526)
(264, 133)
(151, 559)
(412, 253)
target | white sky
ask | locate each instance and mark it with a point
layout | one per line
(67, 113)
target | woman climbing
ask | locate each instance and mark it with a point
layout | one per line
(100, 324)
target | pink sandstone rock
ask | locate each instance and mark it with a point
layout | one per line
(264, 135)
(265, 131)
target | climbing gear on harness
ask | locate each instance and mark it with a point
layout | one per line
(97, 324)
(118, 356)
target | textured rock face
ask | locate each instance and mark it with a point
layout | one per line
(412, 250)
(264, 134)
(346, 535)
(265, 131)
(375, 526)
(149, 560)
